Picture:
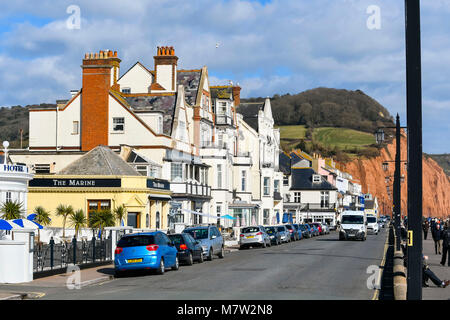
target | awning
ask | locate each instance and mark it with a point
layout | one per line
(157, 196)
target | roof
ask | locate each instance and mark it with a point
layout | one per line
(221, 92)
(250, 111)
(285, 163)
(190, 79)
(164, 104)
(100, 161)
(302, 180)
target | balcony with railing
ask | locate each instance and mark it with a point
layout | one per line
(312, 207)
(190, 189)
(242, 158)
(223, 119)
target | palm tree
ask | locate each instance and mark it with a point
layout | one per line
(77, 220)
(120, 213)
(11, 210)
(42, 217)
(64, 211)
(101, 219)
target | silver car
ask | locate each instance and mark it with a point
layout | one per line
(285, 234)
(254, 236)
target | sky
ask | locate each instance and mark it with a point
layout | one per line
(267, 46)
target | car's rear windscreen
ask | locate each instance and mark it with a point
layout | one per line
(136, 241)
(177, 239)
(250, 230)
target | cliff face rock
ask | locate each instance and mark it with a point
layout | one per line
(370, 173)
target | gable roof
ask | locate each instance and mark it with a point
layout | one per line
(190, 80)
(284, 163)
(302, 180)
(100, 161)
(164, 104)
(250, 111)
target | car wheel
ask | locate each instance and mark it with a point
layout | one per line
(177, 264)
(190, 260)
(222, 253)
(118, 274)
(241, 247)
(201, 259)
(210, 255)
(161, 269)
(264, 244)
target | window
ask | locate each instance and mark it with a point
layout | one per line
(222, 108)
(316, 178)
(266, 214)
(142, 170)
(126, 90)
(219, 176)
(97, 205)
(154, 173)
(75, 127)
(176, 172)
(244, 180)
(42, 168)
(181, 129)
(158, 221)
(118, 124)
(285, 180)
(8, 196)
(276, 186)
(160, 124)
(324, 199)
(266, 186)
(297, 197)
(133, 219)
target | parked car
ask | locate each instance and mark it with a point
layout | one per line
(284, 233)
(306, 231)
(274, 235)
(318, 225)
(145, 251)
(315, 230)
(293, 232)
(299, 231)
(309, 229)
(189, 249)
(254, 236)
(210, 239)
(372, 224)
(326, 228)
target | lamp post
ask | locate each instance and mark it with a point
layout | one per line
(414, 123)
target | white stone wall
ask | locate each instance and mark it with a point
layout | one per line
(42, 128)
(138, 79)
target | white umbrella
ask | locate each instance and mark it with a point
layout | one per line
(27, 224)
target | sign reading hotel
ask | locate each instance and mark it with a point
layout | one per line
(158, 184)
(14, 168)
(77, 183)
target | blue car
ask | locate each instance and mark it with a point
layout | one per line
(307, 231)
(315, 230)
(145, 251)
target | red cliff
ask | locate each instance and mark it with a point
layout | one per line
(370, 173)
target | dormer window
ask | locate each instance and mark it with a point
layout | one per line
(316, 178)
(126, 90)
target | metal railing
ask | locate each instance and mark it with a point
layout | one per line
(53, 256)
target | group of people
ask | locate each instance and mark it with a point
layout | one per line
(440, 233)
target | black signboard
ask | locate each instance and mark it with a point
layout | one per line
(158, 184)
(75, 183)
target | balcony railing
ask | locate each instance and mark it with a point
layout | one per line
(190, 189)
(224, 119)
(213, 145)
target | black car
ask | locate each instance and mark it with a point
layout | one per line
(189, 249)
(274, 235)
(293, 232)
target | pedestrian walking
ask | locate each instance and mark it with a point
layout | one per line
(427, 274)
(446, 245)
(436, 234)
(425, 227)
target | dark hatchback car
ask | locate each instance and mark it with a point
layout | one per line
(274, 235)
(293, 232)
(189, 249)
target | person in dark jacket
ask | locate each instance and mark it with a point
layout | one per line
(436, 233)
(428, 274)
(446, 245)
(425, 227)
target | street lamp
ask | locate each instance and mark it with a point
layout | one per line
(379, 136)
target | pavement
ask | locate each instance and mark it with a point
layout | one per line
(433, 292)
(38, 287)
(322, 268)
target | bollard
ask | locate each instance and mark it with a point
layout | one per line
(52, 247)
(74, 248)
(399, 274)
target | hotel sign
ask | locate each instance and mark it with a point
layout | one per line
(158, 184)
(14, 168)
(76, 183)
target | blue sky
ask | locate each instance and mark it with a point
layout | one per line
(268, 47)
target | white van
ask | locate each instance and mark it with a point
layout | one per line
(372, 224)
(353, 225)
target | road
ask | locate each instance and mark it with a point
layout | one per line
(319, 268)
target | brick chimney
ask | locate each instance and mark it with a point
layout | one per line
(237, 95)
(165, 69)
(100, 74)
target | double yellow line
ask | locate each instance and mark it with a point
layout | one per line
(383, 262)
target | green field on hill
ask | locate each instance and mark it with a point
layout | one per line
(347, 140)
